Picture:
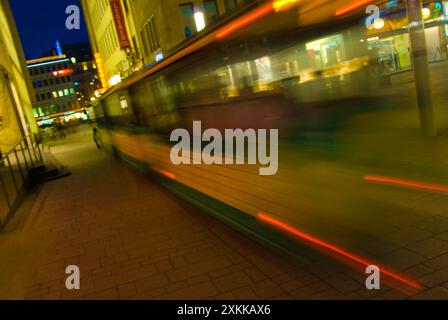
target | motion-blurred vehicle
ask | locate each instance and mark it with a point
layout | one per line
(343, 98)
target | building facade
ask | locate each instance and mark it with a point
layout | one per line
(16, 116)
(127, 35)
(52, 80)
(156, 37)
(86, 82)
(62, 87)
(112, 39)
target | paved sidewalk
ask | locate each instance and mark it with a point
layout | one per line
(132, 239)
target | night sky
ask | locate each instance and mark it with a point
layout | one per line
(41, 22)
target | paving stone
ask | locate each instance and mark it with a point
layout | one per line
(434, 225)
(436, 293)
(438, 262)
(204, 290)
(146, 243)
(430, 248)
(245, 293)
(438, 277)
(266, 289)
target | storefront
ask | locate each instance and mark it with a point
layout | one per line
(326, 51)
(390, 38)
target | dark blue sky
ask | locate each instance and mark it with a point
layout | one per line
(41, 22)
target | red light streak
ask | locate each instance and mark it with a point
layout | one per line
(408, 183)
(166, 173)
(351, 6)
(245, 20)
(62, 72)
(285, 227)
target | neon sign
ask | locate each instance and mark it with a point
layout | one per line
(62, 72)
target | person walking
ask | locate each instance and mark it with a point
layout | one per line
(96, 138)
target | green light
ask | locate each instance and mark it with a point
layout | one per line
(47, 63)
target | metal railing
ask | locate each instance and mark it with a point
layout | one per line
(15, 174)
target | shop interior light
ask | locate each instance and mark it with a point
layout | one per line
(378, 24)
(426, 13)
(159, 57)
(199, 20)
(280, 5)
(116, 79)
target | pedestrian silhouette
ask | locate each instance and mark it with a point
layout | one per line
(96, 138)
(187, 32)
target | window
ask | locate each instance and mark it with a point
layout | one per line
(134, 43)
(150, 37)
(145, 43)
(57, 81)
(37, 97)
(230, 4)
(61, 93)
(34, 84)
(211, 10)
(42, 96)
(66, 92)
(154, 34)
(63, 79)
(51, 82)
(48, 95)
(126, 7)
(187, 18)
(55, 94)
(72, 91)
(45, 83)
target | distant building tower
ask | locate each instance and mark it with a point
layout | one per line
(58, 48)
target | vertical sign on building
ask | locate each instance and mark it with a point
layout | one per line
(101, 71)
(120, 24)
